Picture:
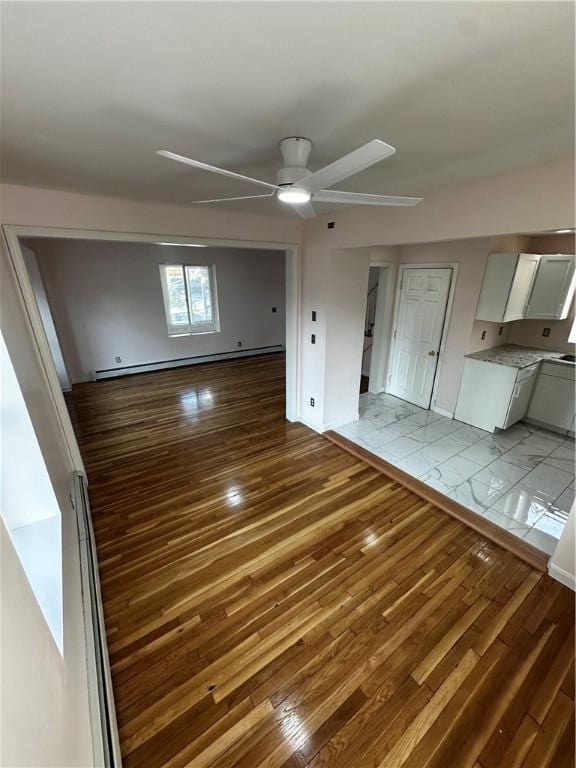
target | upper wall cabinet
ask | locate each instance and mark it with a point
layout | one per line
(553, 288)
(506, 286)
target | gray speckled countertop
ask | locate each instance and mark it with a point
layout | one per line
(516, 356)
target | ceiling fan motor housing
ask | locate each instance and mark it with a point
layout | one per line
(295, 153)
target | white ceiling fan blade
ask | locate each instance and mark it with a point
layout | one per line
(354, 162)
(359, 198)
(213, 168)
(227, 199)
(304, 210)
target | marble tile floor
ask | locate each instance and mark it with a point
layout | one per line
(521, 479)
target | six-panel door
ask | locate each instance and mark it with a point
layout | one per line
(420, 320)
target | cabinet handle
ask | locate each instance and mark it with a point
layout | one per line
(516, 391)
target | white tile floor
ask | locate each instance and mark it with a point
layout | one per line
(522, 479)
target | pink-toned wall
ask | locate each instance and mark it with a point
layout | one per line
(106, 301)
(52, 208)
(533, 200)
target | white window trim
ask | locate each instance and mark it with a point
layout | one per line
(197, 328)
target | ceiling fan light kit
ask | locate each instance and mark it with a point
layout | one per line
(294, 195)
(298, 187)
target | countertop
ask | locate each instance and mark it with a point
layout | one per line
(515, 356)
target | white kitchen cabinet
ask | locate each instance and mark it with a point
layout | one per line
(494, 396)
(553, 401)
(553, 288)
(519, 401)
(506, 286)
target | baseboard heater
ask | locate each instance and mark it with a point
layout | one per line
(109, 373)
(105, 741)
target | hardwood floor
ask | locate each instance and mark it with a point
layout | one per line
(271, 600)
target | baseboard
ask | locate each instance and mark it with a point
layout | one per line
(549, 427)
(522, 549)
(568, 579)
(353, 416)
(316, 427)
(442, 411)
(109, 373)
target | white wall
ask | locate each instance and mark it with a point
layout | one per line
(106, 300)
(45, 718)
(563, 561)
(47, 321)
(345, 310)
(26, 494)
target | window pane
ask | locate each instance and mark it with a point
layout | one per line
(176, 295)
(200, 295)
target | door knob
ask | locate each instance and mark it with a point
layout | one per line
(431, 353)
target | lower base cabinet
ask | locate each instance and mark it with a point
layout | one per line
(553, 400)
(494, 396)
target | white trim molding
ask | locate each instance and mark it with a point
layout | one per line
(568, 579)
(127, 370)
(442, 411)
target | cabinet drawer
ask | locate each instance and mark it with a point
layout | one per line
(560, 371)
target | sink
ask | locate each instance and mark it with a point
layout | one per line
(568, 358)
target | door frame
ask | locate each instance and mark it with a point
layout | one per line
(402, 267)
(383, 321)
(13, 233)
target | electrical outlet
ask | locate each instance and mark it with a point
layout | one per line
(546, 332)
(273, 309)
(331, 225)
(312, 402)
(238, 343)
(500, 330)
(483, 336)
(118, 359)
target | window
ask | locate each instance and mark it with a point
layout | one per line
(189, 299)
(28, 505)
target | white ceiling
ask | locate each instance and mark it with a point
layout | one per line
(462, 89)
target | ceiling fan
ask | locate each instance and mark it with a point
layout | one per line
(299, 187)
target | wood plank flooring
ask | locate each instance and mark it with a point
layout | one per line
(272, 601)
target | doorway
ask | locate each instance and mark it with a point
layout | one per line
(369, 323)
(16, 233)
(422, 303)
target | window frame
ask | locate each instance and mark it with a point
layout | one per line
(198, 327)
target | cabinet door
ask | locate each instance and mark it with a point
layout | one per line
(521, 287)
(519, 401)
(553, 402)
(553, 288)
(496, 286)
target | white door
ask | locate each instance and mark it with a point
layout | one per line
(420, 320)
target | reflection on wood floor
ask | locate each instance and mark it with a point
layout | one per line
(272, 601)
